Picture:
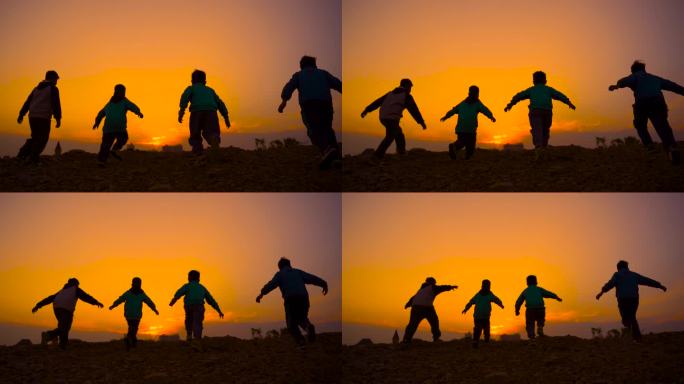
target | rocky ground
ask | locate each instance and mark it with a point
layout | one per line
(291, 168)
(628, 168)
(224, 360)
(556, 360)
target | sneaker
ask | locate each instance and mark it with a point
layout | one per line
(44, 338)
(115, 155)
(311, 333)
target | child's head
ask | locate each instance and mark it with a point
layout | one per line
(622, 265)
(531, 280)
(51, 76)
(136, 283)
(474, 91)
(199, 77)
(539, 77)
(119, 93)
(406, 84)
(194, 276)
(72, 281)
(284, 263)
(486, 285)
(638, 66)
(431, 281)
(307, 62)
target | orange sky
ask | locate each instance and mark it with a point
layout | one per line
(392, 242)
(446, 46)
(104, 240)
(249, 49)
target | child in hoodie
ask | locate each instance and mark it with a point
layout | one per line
(64, 305)
(392, 105)
(422, 307)
(535, 312)
(204, 102)
(541, 107)
(134, 299)
(195, 295)
(114, 134)
(41, 105)
(466, 126)
(483, 311)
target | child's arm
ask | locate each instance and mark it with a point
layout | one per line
(118, 301)
(557, 95)
(485, 111)
(607, 287)
(497, 301)
(549, 294)
(81, 294)
(184, 100)
(25, 108)
(443, 288)
(470, 304)
(223, 110)
(288, 90)
(412, 107)
(671, 86)
(333, 82)
(56, 105)
(98, 118)
(519, 303)
(643, 280)
(133, 108)
(43, 303)
(625, 82)
(212, 302)
(268, 287)
(373, 106)
(409, 302)
(520, 96)
(315, 280)
(179, 293)
(452, 111)
(150, 304)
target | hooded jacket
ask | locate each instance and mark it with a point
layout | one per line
(195, 293)
(426, 295)
(115, 113)
(43, 102)
(533, 296)
(483, 304)
(292, 282)
(202, 98)
(67, 297)
(540, 96)
(626, 284)
(312, 84)
(393, 103)
(133, 303)
(647, 86)
(467, 115)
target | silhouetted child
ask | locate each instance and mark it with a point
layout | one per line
(422, 307)
(649, 104)
(133, 299)
(483, 311)
(114, 133)
(626, 284)
(292, 283)
(64, 305)
(315, 102)
(392, 106)
(204, 102)
(195, 295)
(41, 104)
(466, 126)
(541, 107)
(535, 312)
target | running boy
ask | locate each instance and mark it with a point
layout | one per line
(114, 131)
(535, 312)
(483, 311)
(466, 126)
(134, 299)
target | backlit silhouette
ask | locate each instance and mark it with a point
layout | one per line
(133, 299)
(483, 311)
(42, 103)
(114, 133)
(422, 307)
(535, 312)
(466, 126)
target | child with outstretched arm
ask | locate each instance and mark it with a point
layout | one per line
(535, 312)
(133, 299)
(466, 126)
(483, 311)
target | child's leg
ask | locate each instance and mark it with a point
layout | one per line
(400, 140)
(195, 133)
(529, 323)
(547, 120)
(210, 128)
(470, 145)
(64, 320)
(485, 328)
(460, 142)
(40, 133)
(417, 315)
(641, 123)
(105, 146)
(133, 325)
(658, 116)
(197, 320)
(432, 318)
(391, 128)
(188, 322)
(292, 318)
(477, 331)
(121, 140)
(536, 128)
(541, 317)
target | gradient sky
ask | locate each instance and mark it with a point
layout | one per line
(249, 49)
(392, 242)
(234, 240)
(446, 46)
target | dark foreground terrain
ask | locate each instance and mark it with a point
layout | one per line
(224, 360)
(628, 168)
(292, 168)
(555, 360)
